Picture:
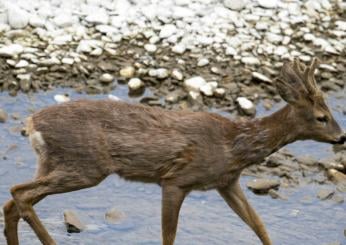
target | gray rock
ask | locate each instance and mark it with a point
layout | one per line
(194, 83)
(11, 50)
(246, 106)
(3, 116)
(262, 186)
(127, 72)
(276, 195)
(113, 216)
(261, 77)
(177, 74)
(106, 78)
(135, 85)
(325, 194)
(203, 62)
(72, 223)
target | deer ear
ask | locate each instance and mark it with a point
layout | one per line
(287, 91)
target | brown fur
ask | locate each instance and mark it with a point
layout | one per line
(80, 143)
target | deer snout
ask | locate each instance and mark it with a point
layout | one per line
(342, 139)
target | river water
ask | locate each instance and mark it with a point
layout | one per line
(204, 219)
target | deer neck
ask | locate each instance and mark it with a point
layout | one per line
(258, 138)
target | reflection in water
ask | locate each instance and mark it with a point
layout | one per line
(205, 218)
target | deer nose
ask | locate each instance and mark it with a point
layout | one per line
(342, 139)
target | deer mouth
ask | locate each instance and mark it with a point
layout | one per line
(339, 141)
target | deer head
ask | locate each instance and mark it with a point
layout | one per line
(297, 86)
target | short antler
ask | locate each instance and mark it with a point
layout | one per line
(306, 74)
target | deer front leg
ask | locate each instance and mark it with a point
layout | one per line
(236, 199)
(172, 199)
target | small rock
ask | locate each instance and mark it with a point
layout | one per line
(194, 83)
(73, 224)
(220, 92)
(209, 88)
(159, 73)
(36, 21)
(67, 61)
(11, 50)
(106, 78)
(173, 97)
(3, 116)
(17, 17)
(261, 77)
(127, 72)
(22, 64)
(269, 4)
(235, 4)
(262, 186)
(337, 176)
(61, 98)
(167, 31)
(135, 85)
(276, 195)
(203, 62)
(98, 18)
(63, 20)
(151, 48)
(113, 97)
(246, 106)
(113, 216)
(177, 74)
(179, 48)
(325, 194)
(250, 60)
(337, 198)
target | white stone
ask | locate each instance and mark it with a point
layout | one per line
(269, 4)
(37, 21)
(11, 50)
(250, 60)
(17, 17)
(194, 83)
(135, 84)
(207, 89)
(107, 29)
(261, 77)
(22, 64)
(231, 51)
(203, 62)
(151, 48)
(167, 31)
(114, 98)
(98, 17)
(162, 73)
(235, 4)
(67, 61)
(127, 72)
(194, 95)
(24, 77)
(220, 92)
(179, 48)
(327, 67)
(62, 40)
(177, 74)
(246, 105)
(61, 98)
(63, 20)
(281, 50)
(106, 78)
(87, 45)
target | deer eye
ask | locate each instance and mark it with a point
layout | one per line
(322, 119)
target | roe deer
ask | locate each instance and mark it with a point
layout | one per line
(80, 143)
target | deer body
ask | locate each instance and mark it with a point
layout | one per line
(80, 143)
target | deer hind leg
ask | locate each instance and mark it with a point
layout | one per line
(236, 199)
(172, 199)
(28, 194)
(11, 222)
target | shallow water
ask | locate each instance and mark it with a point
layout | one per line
(204, 218)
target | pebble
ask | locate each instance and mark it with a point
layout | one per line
(135, 85)
(127, 72)
(22, 64)
(325, 194)
(67, 61)
(11, 50)
(151, 48)
(3, 116)
(63, 20)
(276, 195)
(72, 223)
(114, 98)
(203, 62)
(17, 17)
(262, 186)
(261, 77)
(269, 4)
(167, 30)
(37, 21)
(337, 176)
(113, 216)
(207, 89)
(159, 73)
(246, 106)
(61, 98)
(235, 4)
(179, 48)
(106, 78)
(98, 17)
(250, 60)
(194, 83)
(177, 74)
(220, 92)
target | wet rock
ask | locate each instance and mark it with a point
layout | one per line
(3, 116)
(276, 195)
(61, 98)
(268, 3)
(113, 216)
(337, 198)
(63, 20)
(113, 97)
(250, 60)
(194, 83)
(67, 61)
(160, 73)
(167, 30)
(36, 21)
(219, 92)
(246, 106)
(174, 96)
(106, 78)
(11, 50)
(262, 186)
(261, 77)
(151, 48)
(127, 72)
(337, 176)
(136, 86)
(72, 223)
(22, 64)
(179, 48)
(209, 88)
(325, 194)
